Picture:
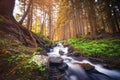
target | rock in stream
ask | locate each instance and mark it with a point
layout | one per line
(57, 68)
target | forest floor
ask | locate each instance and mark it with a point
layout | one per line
(16, 64)
(16, 61)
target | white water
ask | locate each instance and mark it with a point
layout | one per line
(76, 72)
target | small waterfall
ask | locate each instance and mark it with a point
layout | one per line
(77, 72)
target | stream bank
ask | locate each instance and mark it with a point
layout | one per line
(78, 66)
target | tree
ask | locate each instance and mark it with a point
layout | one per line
(12, 28)
(26, 12)
(6, 10)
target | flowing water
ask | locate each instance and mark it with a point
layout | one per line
(76, 72)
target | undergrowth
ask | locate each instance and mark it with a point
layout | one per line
(109, 47)
(24, 68)
(15, 60)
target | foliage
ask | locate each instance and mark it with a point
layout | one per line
(39, 49)
(28, 68)
(104, 47)
(16, 58)
(41, 68)
(6, 43)
(24, 66)
(21, 48)
(47, 41)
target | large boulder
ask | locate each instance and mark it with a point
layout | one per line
(57, 69)
(41, 60)
(76, 53)
(55, 61)
(55, 74)
(58, 72)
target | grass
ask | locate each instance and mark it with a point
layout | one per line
(39, 49)
(109, 47)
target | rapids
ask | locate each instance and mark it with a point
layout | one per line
(76, 72)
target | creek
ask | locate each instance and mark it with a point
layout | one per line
(77, 72)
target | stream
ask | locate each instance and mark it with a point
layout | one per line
(77, 72)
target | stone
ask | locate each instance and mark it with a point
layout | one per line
(41, 60)
(54, 45)
(96, 60)
(76, 54)
(86, 66)
(66, 44)
(63, 67)
(55, 74)
(69, 54)
(58, 73)
(70, 49)
(55, 61)
(61, 52)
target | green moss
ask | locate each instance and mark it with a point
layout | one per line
(2, 19)
(45, 39)
(21, 48)
(4, 43)
(38, 49)
(103, 47)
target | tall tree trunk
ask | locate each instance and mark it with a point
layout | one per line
(116, 20)
(43, 23)
(50, 22)
(29, 20)
(110, 17)
(26, 12)
(92, 17)
(6, 10)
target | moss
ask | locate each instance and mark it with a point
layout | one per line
(39, 49)
(2, 19)
(21, 48)
(4, 43)
(47, 41)
(103, 47)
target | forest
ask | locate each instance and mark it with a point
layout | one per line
(59, 40)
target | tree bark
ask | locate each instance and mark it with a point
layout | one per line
(92, 17)
(6, 8)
